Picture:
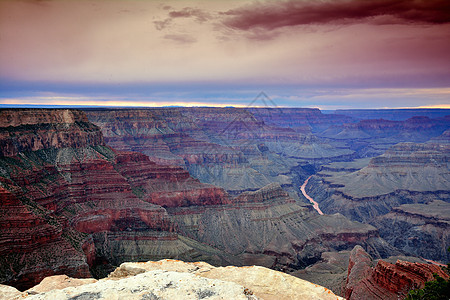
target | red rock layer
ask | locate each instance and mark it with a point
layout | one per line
(168, 186)
(22, 230)
(403, 276)
(385, 280)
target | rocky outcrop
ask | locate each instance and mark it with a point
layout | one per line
(359, 267)
(383, 280)
(58, 282)
(168, 186)
(8, 292)
(261, 282)
(153, 285)
(444, 138)
(271, 192)
(170, 279)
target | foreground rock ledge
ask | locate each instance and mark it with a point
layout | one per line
(172, 279)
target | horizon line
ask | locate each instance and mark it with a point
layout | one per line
(178, 105)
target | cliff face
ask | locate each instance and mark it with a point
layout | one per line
(168, 186)
(57, 129)
(383, 280)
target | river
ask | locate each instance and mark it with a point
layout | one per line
(314, 203)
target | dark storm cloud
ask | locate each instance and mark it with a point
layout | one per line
(188, 12)
(273, 15)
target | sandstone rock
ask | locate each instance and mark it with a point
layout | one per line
(58, 282)
(263, 282)
(8, 292)
(154, 285)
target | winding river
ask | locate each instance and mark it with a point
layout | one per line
(314, 203)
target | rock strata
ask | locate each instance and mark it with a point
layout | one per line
(367, 279)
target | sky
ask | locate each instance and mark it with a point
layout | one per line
(328, 54)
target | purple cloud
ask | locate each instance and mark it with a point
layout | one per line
(273, 15)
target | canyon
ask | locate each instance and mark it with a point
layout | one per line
(225, 186)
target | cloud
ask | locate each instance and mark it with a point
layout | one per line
(276, 14)
(181, 38)
(160, 25)
(188, 12)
